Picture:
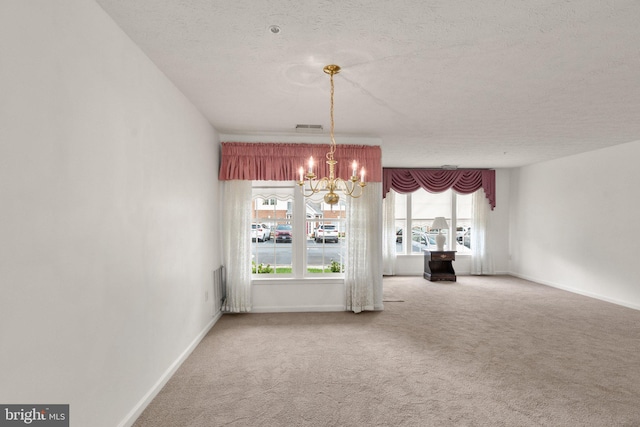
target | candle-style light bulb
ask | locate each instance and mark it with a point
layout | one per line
(362, 175)
(310, 164)
(301, 174)
(355, 168)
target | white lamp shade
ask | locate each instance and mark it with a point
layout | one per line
(440, 223)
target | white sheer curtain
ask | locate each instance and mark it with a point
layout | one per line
(237, 245)
(363, 275)
(481, 260)
(389, 234)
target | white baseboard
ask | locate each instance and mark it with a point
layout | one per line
(576, 291)
(307, 308)
(151, 394)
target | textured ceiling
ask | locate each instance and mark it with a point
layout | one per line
(489, 83)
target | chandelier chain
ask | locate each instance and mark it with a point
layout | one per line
(332, 147)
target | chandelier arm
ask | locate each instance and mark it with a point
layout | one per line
(350, 187)
(314, 186)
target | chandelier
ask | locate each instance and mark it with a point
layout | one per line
(311, 184)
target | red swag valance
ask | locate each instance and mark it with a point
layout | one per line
(281, 161)
(464, 181)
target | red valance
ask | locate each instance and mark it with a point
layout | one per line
(281, 161)
(464, 181)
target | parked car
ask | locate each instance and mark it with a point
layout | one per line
(326, 233)
(267, 230)
(399, 233)
(257, 232)
(283, 233)
(421, 241)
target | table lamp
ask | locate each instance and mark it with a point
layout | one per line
(440, 224)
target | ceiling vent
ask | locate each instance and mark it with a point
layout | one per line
(308, 128)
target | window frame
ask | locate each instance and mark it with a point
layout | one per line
(298, 220)
(408, 219)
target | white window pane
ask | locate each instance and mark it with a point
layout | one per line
(464, 207)
(271, 231)
(425, 205)
(400, 205)
(324, 227)
(464, 204)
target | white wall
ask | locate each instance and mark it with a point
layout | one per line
(298, 295)
(109, 216)
(573, 223)
(497, 240)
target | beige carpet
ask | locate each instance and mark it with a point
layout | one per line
(484, 351)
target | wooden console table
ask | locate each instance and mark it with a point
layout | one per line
(438, 265)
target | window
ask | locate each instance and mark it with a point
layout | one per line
(305, 236)
(416, 212)
(272, 254)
